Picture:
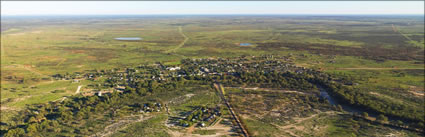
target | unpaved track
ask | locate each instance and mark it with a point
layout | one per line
(397, 29)
(30, 69)
(267, 89)
(190, 129)
(78, 89)
(4, 108)
(182, 43)
(60, 63)
(379, 68)
(394, 28)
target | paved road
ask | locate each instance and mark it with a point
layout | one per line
(221, 92)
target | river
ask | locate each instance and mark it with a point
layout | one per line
(324, 94)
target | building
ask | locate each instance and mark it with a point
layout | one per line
(173, 68)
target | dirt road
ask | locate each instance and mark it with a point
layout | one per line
(78, 89)
(267, 89)
(379, 68)
(397, 29)
(181, 44)
(29, 68)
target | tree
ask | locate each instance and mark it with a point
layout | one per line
(45, 125)
(365, 114)
(32, 120)
(17, 132)
(80, 115)
(339, 108)
(32, 129)
(66, 116)
(399, 123)
(420, 125)
(382, 118)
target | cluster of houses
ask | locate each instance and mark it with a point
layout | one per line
(151, 107)
(202, 116)
(192, 67)
(117, 79)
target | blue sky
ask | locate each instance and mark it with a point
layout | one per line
(209, 7)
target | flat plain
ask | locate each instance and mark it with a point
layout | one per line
(382, 55)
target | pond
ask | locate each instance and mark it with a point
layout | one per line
(128, 38)
(245, 44)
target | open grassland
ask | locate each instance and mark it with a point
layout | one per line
(385, 53)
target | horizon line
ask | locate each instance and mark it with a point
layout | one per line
(206, 14)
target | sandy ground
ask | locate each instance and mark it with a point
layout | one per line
(221, 130)
(121, 124)
(290, 127)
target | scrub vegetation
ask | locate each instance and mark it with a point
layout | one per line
(53, 69)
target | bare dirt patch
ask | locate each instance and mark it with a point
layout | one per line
(5, 108)
(91, 57)
(220, 130)
(120, 124)
(297, 127)
(190, 129)
(181, 99)
(21, 98)
(417, 91)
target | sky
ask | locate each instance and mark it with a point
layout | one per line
(209, 7)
